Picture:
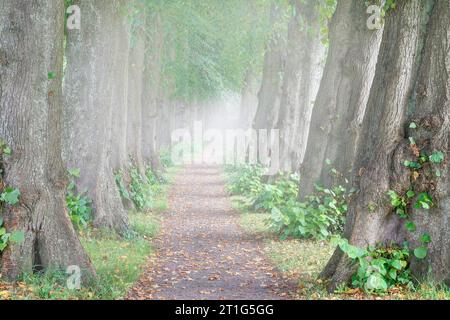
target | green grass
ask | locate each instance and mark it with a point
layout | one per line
(145, 224)
(118, 263)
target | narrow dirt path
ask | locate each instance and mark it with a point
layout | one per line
(202, 251)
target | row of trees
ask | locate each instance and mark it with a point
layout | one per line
(367, 100)
(102, 96)
(382, 103)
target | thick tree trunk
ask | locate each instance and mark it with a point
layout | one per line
(300, 82)
(151, 95)
(88, 91)
(249, 100)
(411, 50)
(269, 94)
(121, 38)
(342, 97)
(31, 46)
(135, 82)
(430, 110)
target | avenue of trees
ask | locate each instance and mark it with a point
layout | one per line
(367, 100)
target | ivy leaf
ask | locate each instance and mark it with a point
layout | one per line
(10, 196)
(420, 252)
(410, 194)
(7, 151)
(437, 157)
(410, 226)
(426, 238)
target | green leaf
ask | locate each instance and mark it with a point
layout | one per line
(10, 196)
(51, 75)
(17, 237)
(410, 194)
(420, 252)
(7, 151)
(413, 125)
(426, 238)
(397, 264)
(393, 274)
(437, 157)
(75, 172)
(410, 226)
(376, 282)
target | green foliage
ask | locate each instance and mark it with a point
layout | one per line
(10, 196)
(207, 45)
(141, 189)
(118, 176)
(9, 237)
(51, 75)
(379, 268)
(165, 158)
(141, 192)
(78, 204)
(319, 216)
(277, 195)
(245, 179)
(437, 157)
(424, 201)
(399, 203)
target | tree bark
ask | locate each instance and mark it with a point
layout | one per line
(121, 38)
(249, 100)
(414, 48)
(430, 110)
(88, 91)
(269, 94)
(31, 47)
(342, 97)
(135, 81)
(151, 95)
(304, 55)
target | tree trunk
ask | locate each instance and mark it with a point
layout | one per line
(30, 123)
(135, 81)
(249, 100)
(119, 155)
(305, 53)
(269, 94)
(151, 95)
(411, 50)
(430, 110)
(342, 97)
(89, 107)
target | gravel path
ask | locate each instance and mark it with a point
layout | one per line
(202, 253)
